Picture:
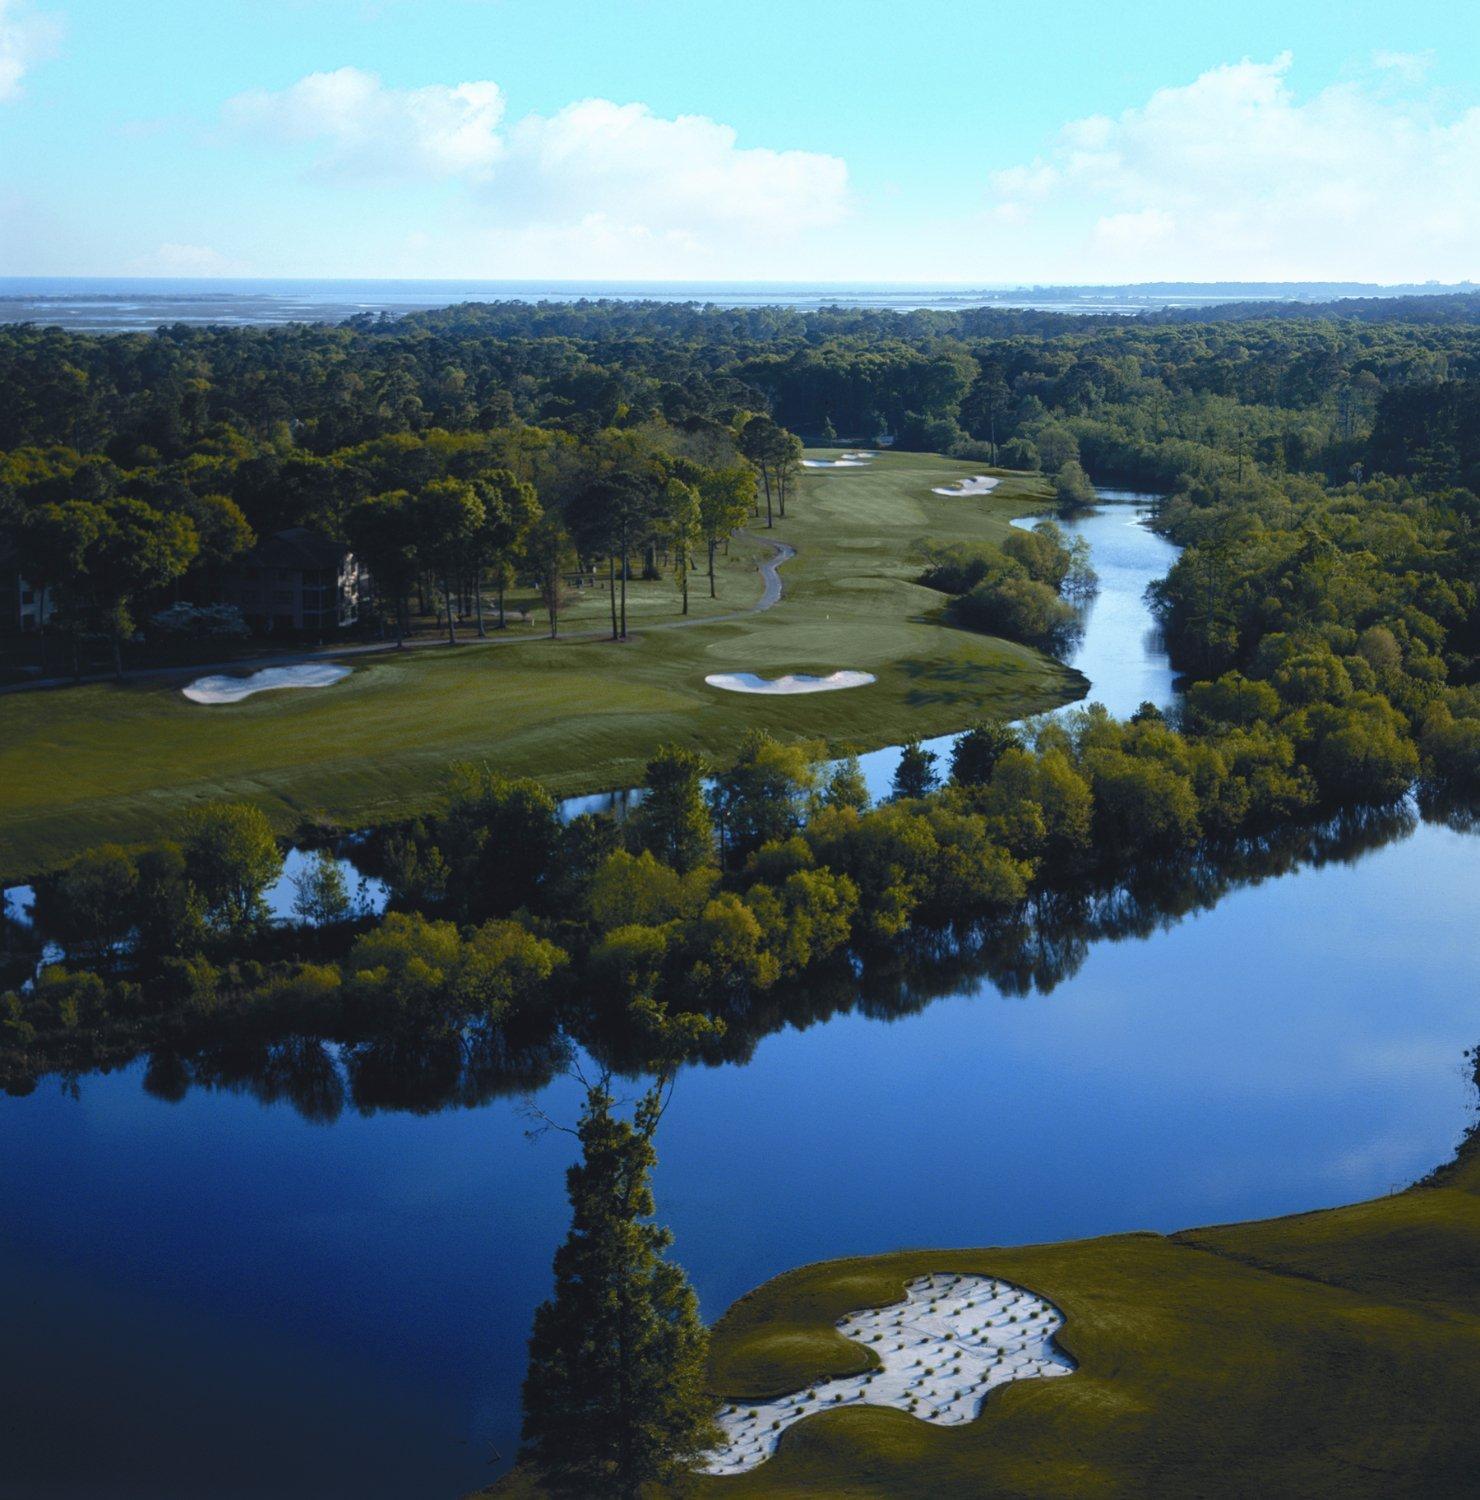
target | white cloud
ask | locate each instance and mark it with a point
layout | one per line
(1134, 232)
(1030, 183)
(26, 37)
(365, 130)
(171, 259)
(625, 164)
(1410, 67)
(596, 186)
(1235, 176)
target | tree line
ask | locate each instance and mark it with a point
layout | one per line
(471, 446)
(439, 519)
(133, 468)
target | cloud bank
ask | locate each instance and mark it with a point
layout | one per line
(362, 130)
(596, 180)
(1235, 176)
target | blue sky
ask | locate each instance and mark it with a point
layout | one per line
(684, 138)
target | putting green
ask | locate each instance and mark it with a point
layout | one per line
(125, 760)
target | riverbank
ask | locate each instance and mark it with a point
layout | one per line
(126, 761)
(1334, 1352)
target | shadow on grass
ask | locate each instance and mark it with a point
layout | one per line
(935, 683)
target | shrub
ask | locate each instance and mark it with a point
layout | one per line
(959, 566)
(231, 858)
(90, 907)
(1018, 609)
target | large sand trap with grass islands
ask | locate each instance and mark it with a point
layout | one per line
(234, 689)
(952, 1339)
(978, 484)
(798, 682)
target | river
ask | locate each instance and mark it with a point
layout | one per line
(207, 1292)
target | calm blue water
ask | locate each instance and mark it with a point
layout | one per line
(215, 1296)
(1121, 650)
(116, 304)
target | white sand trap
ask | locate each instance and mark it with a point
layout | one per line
(835, 463)
(800, 682)
(234, 689)
(978, 484)
(951, 1341)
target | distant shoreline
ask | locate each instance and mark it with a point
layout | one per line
(131, 304)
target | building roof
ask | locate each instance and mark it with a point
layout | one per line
(297, 548)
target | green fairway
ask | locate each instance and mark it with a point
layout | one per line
(1332, 1353)
(124, 761)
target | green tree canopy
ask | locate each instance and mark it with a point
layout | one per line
(673, 820)
(615, 1396)
(232, 858)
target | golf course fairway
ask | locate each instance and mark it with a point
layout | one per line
(126, 760)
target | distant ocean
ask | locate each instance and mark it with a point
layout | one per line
(129, 304)
(124, 304)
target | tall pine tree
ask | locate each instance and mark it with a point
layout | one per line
(615, 1395)
(673, 820)
(914, 776)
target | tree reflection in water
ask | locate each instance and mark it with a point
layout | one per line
(1034, 951)
(417, 1074)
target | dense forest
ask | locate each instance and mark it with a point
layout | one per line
(1304, 386)
(133, 466)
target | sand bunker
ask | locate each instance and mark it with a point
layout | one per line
(952, 1339)
(857, 459)
(800, 682)
(978, 484)
(234, 689)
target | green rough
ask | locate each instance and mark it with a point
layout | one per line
(1329, 1353)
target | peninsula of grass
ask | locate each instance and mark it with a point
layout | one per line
(125, 761)
(1326, 1353)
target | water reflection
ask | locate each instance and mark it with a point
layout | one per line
(1207, 1044)
(420, 1073)
(1034, 951)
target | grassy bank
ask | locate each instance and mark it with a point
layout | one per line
(125, 761)
(1330, 1353)
(1325, 1353)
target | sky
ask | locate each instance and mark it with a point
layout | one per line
(960, 141)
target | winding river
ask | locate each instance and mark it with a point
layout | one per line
(259, 1288)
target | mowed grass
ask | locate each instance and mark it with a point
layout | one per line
(1324, 1354)
(126, 761)
(1330, 1353)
